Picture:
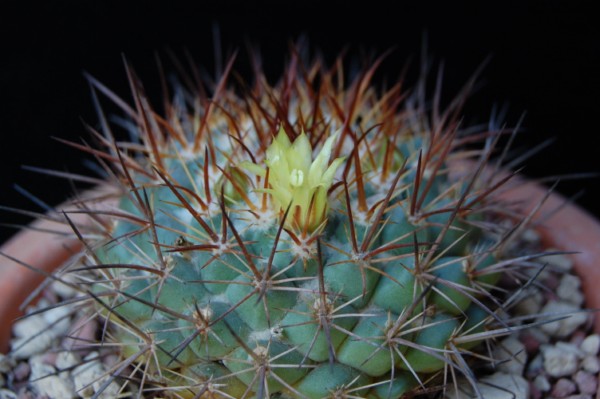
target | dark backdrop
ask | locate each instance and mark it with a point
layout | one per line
(545, 59)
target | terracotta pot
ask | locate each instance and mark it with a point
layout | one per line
(28, 257)
(571, 228)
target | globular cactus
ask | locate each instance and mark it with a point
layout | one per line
(310, 239)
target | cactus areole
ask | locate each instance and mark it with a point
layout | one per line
(299, 240)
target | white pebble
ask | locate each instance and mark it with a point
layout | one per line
(569, 289)
(571, 348)
(29, 326)
(559, 362)
(25, 347)
(512, 356)
(36, 333)
(64, 290)
(541, 382)
(591, 344)
(531, 236)
(46, 384)
(536, 365)
(510, 387)
(561, 263)
(504, 386)
(65, 361)
(7, 394)
(58, 319)
(570, 318)
(591, 364)
(89, 377)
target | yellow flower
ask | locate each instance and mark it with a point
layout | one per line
(298, 181)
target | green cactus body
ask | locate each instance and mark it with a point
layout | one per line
(258, 257)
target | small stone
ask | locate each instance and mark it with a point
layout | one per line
(534, 392)
(21, 371)
(570, 318)
(561, 263)
(46, 383)
(62, 289)
(29, 325)
(66, 360)
(25, 347)
(6, 363)
(571, 348)
(586, 382)
(36, 333)
(496, 386)
(559, 362)
(512, 387)
(531, 236)
(563, 388)
(569, 289)
(58, 319)
(531, 302)
(591, 344)
(577, 338)
(7, 394)
(591, 364)
(535, 367)
(512, 356)
(90, 376)
(541, 382)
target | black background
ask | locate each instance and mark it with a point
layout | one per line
(545, 61)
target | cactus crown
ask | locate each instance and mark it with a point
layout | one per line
(309, 239)
(296, 181)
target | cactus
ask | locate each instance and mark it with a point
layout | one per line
(308, 239)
